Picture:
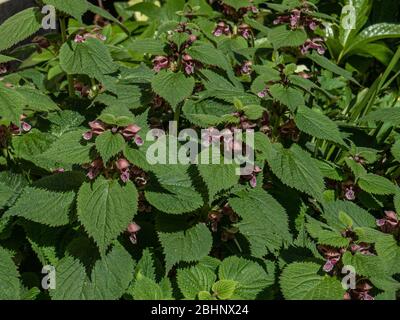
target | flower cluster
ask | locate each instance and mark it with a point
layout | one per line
(313, 44)
(390, 223)
(299, 18)
(80, 38)
(129, 132)
(178, 54)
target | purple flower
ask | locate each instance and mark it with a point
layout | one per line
(188, 63)
(222, 29)
(330, 264)
(79, 39)
(295, 18)
(26, 126)
(314, 44)
(389, 224)
(349, 193)
(160, 62)
(245, 68)
(95, 168)
(244, 30)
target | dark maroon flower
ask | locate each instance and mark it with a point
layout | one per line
(160, 62)
(214, 217)
(295, 18)
(222, 29)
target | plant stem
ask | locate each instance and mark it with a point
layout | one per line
(70, 79)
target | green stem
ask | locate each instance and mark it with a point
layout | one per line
(177, 115)
(64, 37)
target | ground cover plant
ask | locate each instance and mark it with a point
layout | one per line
(84, 212)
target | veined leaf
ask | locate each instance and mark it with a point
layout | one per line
(9, 277)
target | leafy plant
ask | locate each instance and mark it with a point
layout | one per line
(83, 190)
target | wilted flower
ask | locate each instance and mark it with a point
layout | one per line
(3, 68)
(160, 62)
(214, 217)
(41, 41)
(133, 228)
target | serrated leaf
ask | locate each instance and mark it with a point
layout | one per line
(251, 278)
(264, 221)
(146, 289)
(9, 277)
(5, 193)
(36, 100)
(290, 97)
(90, 57)
(300, 281)
(111, 275)
(209, 55)
(180, 196)
(192, 281)
(188, 245)
(173, 87)
(75, 8)
(105, 209)
(294, 167)
(51, 208)
(224, 289)
(283, 37)
(109, 144)
(69, 149)
(375, 184)
(317, 125)
(12, 104)
(19, 27)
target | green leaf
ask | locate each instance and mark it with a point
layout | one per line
(180, 196)
(192, 281)
(36, 100)
(375, 184)
(389, 251)
(90, 57)
(329, 65)
(207, 54)
(300, 281)
(71, 280)
(111, 275)
(173, 87)
(105, 209)
(5, 194)
(146, 265)
(109, 144)
(147, 289)
(317, 125)
(69, 149)
(12, 104)
(359, 216)
(189, 245)
(19, 27)
(146, 46)
(290, 97)
(117, 115)
(283, 37)
(4, 59)
(75, 8)
(264, 221)
(51, 208)
(9, 277)
(295, 168)
(396, 150)
(224, 289)
(251, 278)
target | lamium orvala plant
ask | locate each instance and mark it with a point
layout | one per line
(87, 193)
